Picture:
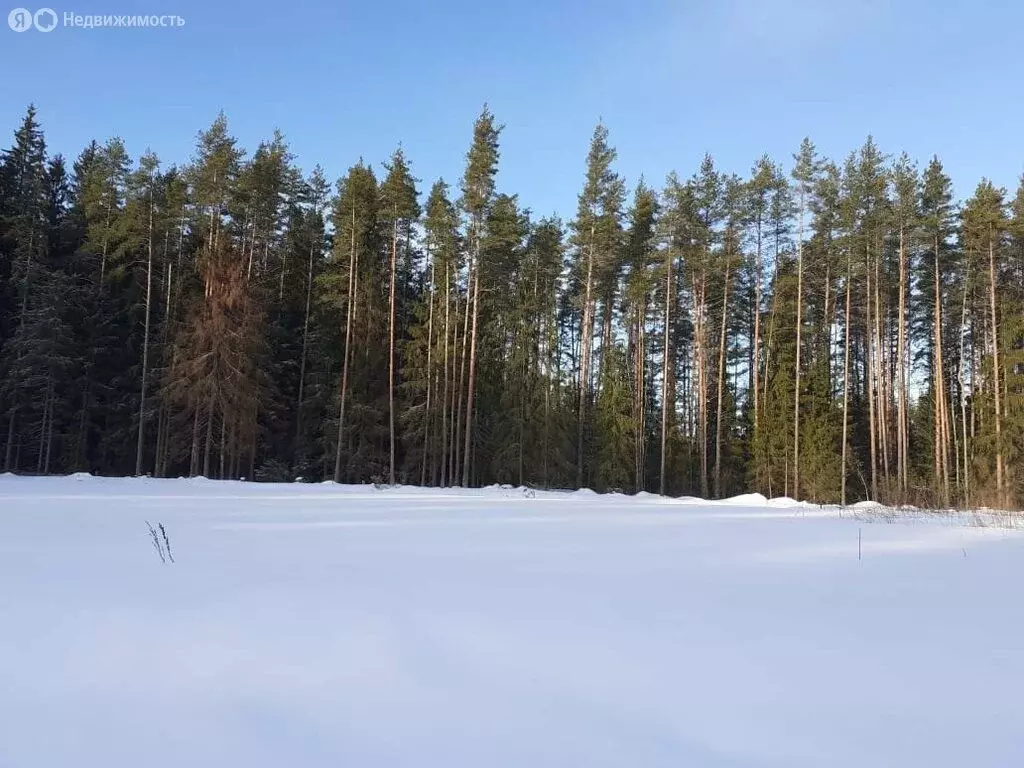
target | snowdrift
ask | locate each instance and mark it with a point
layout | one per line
(326, 625)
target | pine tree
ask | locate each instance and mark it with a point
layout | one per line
(146, 181)
(1013, 344)
(937, 225)
(678, 224)
(764, 179)
(833, 332)
(641, 259)
(444, 255)
(309, 220)
(398, 211)
(213, 177)
(804, 173)
(506, 353)
(985, 228)
(548, 428)
(106, 190)
(871, 198)
(350, 284)
(906, 215)
(596, 240)
(477, 194)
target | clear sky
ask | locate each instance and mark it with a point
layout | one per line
(672, 80)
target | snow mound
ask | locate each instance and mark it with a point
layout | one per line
(746, 500)
(865, 505)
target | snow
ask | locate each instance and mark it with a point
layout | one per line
(328, 625)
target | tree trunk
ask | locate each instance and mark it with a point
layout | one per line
(457, 395)
(193, 468)
(1000, 488)
(941, 463)
(209, 437)
(430, 342)
(666, 363)
(846, 380)
(796, 378)
(49, 434)
(640, 397)
(756, 343)
(883, 376)
(353, 266)
(106, 237)
(145, 338)
(305, 340)
(43, 427)
(444, 399)
(902, 449)
(391, 354)
(471, 383)
(721, 383)
(586, 332)
(700, 295)
(223, 441)
(869, 377)
(966, 498)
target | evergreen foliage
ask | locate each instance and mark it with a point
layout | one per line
(841, 331)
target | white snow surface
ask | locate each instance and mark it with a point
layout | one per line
(326, 625)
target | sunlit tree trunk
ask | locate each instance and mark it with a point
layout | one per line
(353, 266)
(721, 383)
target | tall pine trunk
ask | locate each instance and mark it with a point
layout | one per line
(796, 377)
(391, 352)
(444, 395)
(721, 383)
(939, 388)
(305, 343)
(666, 363)
(869, 377)
(883, 369)
(145, 338)
(587, 334)
(1000, 486)
(846, 381)
(640, 396)
(353, 266)
(966, 474)
(457, 433)
(756, 342)
(902, 439)
(471, 383)
(430, 343)
(700, 296)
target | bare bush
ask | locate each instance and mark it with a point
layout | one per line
(161, 542)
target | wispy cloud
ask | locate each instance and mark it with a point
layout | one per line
(783, 28)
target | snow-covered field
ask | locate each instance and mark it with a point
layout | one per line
(324, 625)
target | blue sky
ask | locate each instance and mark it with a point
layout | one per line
(672, 80)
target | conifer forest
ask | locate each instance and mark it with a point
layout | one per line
(829, 329)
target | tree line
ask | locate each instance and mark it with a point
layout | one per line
(831, 330)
